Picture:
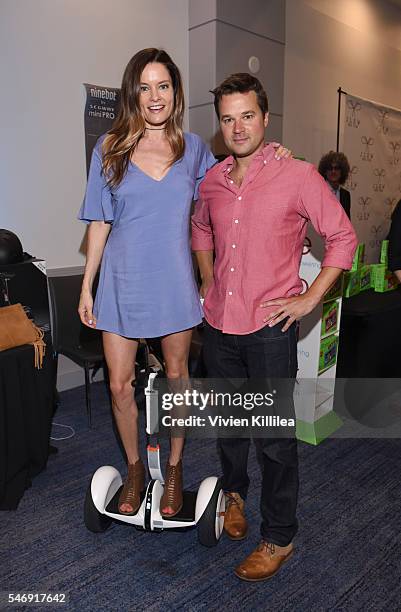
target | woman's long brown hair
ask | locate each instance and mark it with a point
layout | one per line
(129, 126)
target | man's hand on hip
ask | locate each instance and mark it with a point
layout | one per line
(298, 306)
(292, 309)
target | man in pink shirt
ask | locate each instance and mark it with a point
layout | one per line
(248, 231)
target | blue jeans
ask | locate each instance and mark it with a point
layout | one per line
(267, 353)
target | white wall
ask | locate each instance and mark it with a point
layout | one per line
(355, 44)
(223, 35)
(48, 48)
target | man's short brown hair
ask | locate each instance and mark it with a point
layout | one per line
(241, 82)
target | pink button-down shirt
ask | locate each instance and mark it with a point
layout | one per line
(257, 232)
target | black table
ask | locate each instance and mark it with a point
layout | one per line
(26, 410)
(370, 336)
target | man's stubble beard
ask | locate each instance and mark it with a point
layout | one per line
(249, 153)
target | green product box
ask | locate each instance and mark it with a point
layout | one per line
(377, 271)
(335, 291)
(366, 277)
(358, 257)
(330, 318)
(383, 279)
(384, 253)
(328, 352)
(351, 283)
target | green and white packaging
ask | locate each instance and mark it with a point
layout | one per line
(351, 283)
(365, 277)
(330, 317)
(358, 257)
(328, 352)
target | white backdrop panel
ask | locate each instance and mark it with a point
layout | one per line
(372, 143)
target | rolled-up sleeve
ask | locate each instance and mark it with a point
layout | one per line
(97, 204)
(202, 233)
(319, 205)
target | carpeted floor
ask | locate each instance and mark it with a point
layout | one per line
(347, 550)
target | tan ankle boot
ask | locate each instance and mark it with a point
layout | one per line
(134, 484)
(172, 495)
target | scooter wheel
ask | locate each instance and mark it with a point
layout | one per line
(210, 525)
(94, 520)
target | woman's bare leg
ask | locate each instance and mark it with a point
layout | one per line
(120, 356)
(175, 349)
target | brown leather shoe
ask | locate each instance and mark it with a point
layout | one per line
(235, 524)
(172, 495)
(264, 562)
(134, 484)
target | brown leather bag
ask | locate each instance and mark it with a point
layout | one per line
(16, 329)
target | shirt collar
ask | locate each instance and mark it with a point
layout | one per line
(265, 155)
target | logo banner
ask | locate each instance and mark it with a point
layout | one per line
(101, 109)
(372, 143)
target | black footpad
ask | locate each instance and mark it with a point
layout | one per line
(187, 512)
(112, 506)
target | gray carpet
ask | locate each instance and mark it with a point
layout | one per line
(347, 550)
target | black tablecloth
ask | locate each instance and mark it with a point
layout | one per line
(26, 409)
(370, 336)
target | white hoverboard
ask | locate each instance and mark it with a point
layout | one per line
(204, 508)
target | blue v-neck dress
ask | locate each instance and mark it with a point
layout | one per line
(146, 285)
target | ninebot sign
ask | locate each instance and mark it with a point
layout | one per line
(101, 109)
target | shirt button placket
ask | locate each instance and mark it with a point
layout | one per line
(234, 247)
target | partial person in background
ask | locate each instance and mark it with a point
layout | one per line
(334, 168)
(394, 247)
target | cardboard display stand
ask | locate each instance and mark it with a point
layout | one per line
(319, 336)
(317, 352)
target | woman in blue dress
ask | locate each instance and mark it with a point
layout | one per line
(143, 177)
(142, 180)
